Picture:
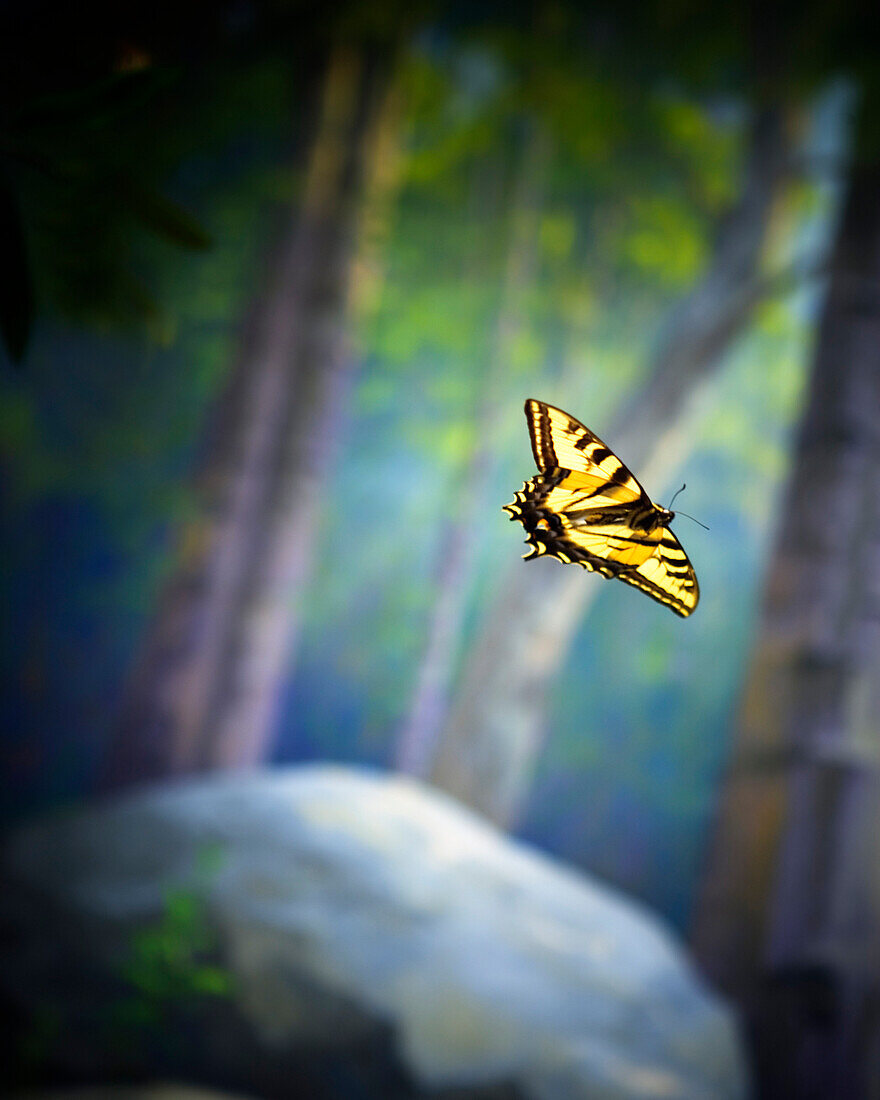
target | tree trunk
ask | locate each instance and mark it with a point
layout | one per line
(418, 736)
(488, 749)
(205, 692)
(788, 920)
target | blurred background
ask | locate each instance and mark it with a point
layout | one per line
(277, 281)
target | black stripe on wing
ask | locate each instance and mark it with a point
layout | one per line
(559, 441)
(667, 576)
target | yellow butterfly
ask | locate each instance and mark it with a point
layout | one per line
(586, 507)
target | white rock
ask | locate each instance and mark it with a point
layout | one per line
(344, 896)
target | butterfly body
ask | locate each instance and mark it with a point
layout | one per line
(585, 507)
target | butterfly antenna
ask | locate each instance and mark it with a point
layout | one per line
(703, 525)
(675, 494)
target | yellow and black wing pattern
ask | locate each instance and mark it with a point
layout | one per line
(585, 507)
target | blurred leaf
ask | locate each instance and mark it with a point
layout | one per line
(161, 214)
(137, 1012)
(558, 233)
(666, 240)
(212, 980)
(181, 908)
(166, 961)
(97, 104)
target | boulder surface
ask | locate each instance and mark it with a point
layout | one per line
(356, 922)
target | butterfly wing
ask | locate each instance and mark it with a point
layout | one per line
(583, 507)
(560, 442)
(666, 575)
(558, 524)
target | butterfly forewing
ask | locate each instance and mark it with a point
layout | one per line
(585, 507)
(559, 441)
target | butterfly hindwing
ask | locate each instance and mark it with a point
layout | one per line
(604, 545)
(667, 575)
(585, 507)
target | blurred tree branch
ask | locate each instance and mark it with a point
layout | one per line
(417, 740)
(488, 749)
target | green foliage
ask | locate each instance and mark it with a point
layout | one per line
(166, 961)
(169, 965)
(665, 238)
(169, 972)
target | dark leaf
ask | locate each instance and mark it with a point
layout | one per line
(16, 289)
(96, 105)
(162, 215)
